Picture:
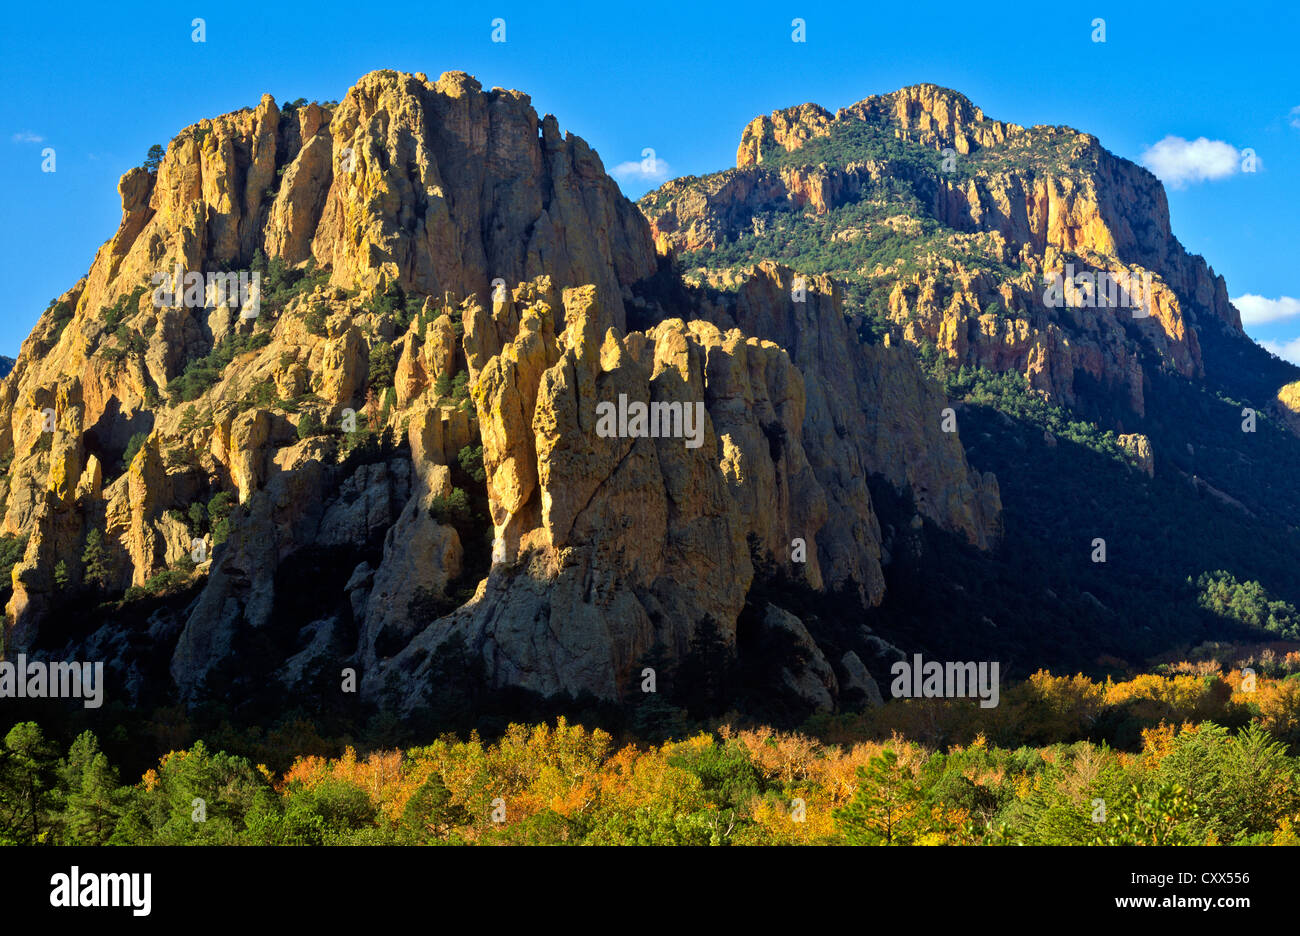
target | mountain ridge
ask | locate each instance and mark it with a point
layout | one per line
(944, 233)
(393, 463)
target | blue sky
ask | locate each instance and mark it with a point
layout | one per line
(100, 85)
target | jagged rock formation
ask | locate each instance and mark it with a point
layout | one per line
(1138, 449)
(213, 203)
(989, 252)
(992, 208)
(604, 547)
(1288, 405)
(925, 113)
(870, 410)
(441, 271)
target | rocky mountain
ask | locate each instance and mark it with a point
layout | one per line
(987, 209)
(1036, 276)
(383, 456)
(352, 394)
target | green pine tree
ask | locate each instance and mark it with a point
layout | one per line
(94, 798)
(155, 158)
(95, 560)
(886, 809)
(27, 786)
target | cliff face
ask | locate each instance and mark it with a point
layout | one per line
(605, 546)
(436, 187)
(452, 187)
(991, 209)
(870, 410)
(441, 271)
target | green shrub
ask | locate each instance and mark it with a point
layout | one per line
(309, 425)
(189, 419)
(219, 510)
(282, 283)
(126, 304)
(60, 314)
(314, 320)
(471, 460)
(202, 373)
(452, 509)
(11, 553)
(383, 365)
(262, 395)
(133, 447)
(160, 583)
(1155, 815)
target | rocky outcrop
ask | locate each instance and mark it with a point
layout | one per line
(447, 274)
(858, 679)
(814, 682)
(1029, 200)
(428, 186)
(605, 546)
(1138, 448)
(444, 187)
(785, 129)
(1288, 406)
(932, 116)
(978, 320)
(924, 113)
(344, 365)
(869, 410)
(694, 214)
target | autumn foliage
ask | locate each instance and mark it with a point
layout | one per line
(1196, 754)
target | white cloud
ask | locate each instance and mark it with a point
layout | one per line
(1295, 116)
(644, 170)
(1256, 310)
(1287, 350)
(1178, 161)
(27, 136)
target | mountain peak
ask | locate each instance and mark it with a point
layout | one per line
(924, 113)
